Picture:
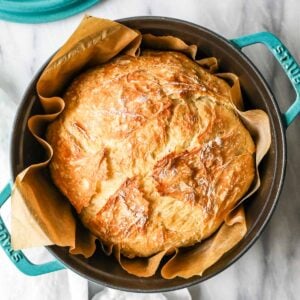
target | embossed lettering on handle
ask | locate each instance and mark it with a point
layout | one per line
(15, 256)
(286, 60)
(289, 64)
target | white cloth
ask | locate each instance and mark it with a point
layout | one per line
(61, 285)
(110, 294)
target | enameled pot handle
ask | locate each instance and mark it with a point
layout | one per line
(17, 257)
(286, 60)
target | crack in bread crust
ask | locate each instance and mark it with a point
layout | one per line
(150, 152)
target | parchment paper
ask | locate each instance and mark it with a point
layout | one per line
(40, 213)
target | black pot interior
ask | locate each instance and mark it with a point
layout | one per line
(105, 270)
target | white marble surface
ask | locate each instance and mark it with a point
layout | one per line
(271, 269)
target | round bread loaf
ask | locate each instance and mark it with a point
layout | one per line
(150, 152)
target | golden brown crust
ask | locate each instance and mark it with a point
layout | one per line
(150, 152)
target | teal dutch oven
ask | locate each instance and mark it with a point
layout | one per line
(105, 270)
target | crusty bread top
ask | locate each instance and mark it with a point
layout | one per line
(150, 152)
